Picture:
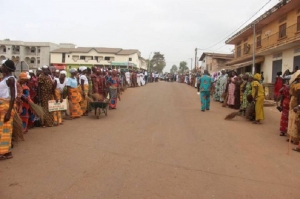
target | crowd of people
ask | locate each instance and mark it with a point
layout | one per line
(246, 94)
(19, 95)
(287, 95)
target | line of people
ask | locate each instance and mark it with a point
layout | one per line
(242, 92)
(19, 95)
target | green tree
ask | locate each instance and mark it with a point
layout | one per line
(183, 66)
(158, 62)
(174, 69)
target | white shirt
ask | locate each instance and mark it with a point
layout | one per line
(127, 74)
(4, 89)
(83, 77)
(146, 74)
(59, 85)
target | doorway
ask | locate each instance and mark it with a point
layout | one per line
(277, 67)
(296, 62)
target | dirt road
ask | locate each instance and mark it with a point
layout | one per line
(157, 144)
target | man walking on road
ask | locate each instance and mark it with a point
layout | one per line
(205, 86)
(146, 77)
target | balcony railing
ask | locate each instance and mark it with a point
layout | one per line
(289, 35)
(286, 36)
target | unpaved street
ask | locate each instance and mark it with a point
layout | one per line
(157, 144)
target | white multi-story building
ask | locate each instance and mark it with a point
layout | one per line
(29, 55)
(66, 58)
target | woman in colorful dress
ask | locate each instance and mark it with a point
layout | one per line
(294, 113)
(114, 84)
(46, 93)
(84, 84)
(285, 105)
(59, 85)
(74, 96)
(26, 114)
(258, 94)
(8, 92)
(246, 92)
(231, 90)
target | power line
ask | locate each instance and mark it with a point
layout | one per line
(239, 26)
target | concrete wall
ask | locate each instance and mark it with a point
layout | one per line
(287, 63)
(69, 59)
(271, 29)
(25, 54)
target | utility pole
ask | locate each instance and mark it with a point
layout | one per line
(196, 57)
(191, 64)
(254, 46)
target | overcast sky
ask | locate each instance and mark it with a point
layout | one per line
(173, 27)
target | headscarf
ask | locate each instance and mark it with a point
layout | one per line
(257, 76)
(30, 71)
(9, 64)
(45, 67)
(72, 70)
(63, 72)
(24, 76)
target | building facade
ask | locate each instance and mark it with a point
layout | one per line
(214, 62)
(28, 55)
(66, 58)
(274, 39)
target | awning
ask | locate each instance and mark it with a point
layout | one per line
(245, 64)
(123, 64)
(60, 66)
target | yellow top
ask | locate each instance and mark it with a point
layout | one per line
(260, 92)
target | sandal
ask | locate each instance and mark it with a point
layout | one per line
(296, 149)
(282, 134)
(6, 156)
(256, 122)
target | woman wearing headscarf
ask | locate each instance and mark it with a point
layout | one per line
(84, 85)
(294, 113)
(59, 85)
(8, 92)
(114, 84)
(237, 92)
(26, 114)
(231, 89)
(247, 90)
(74, 96)
(285, 106)
(258, 94)
(46, 93)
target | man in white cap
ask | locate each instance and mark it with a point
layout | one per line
(127, 75)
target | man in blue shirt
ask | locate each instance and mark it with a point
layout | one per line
(205, 86)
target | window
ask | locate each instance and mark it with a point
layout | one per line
(4, 50)
(239, 51)
(38, 61)
(298, 23)
(258, 41)
(32, 50)
(68, 56)
(39, 50)
(82, 57)
(32, 61)
(282, 31)
(246, 48)
(107, 58)
(130, 59)
(17, 50)
(63, 57)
